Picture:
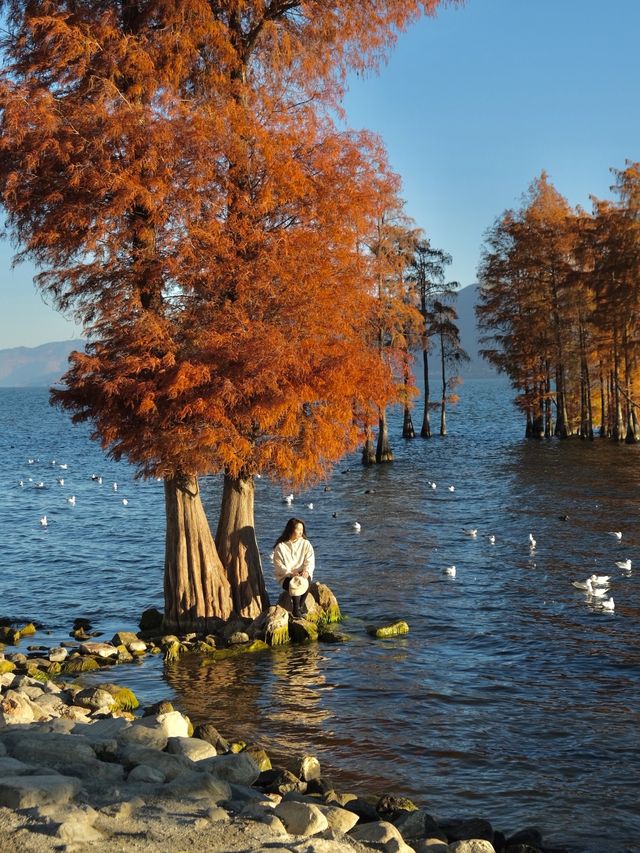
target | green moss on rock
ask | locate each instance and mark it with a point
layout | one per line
(244, 648)
(392, 630)
(80, 664)
(28, 630)
(37, 674)
(7, 666)
(126, 699)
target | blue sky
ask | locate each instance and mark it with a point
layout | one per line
(472, 106)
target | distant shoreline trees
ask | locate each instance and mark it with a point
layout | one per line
(560, 308)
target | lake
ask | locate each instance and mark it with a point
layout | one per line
(512, 698)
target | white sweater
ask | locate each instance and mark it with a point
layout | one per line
(290, 558)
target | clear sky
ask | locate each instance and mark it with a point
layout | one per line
(472, 106)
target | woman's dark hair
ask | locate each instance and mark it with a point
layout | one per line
(289, 527)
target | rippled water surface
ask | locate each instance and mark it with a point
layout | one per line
(512, 698)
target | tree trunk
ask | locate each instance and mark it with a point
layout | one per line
(425, 431)
(196, 588)
(238, 548)
(443, 401)
(368, 450)
(603, 405)
(407, 423)
(383, 449)
(548, 415)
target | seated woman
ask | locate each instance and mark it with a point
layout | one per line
(293, 557)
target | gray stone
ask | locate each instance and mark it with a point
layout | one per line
(382, 833)
(192, 747)
(216, 814)
(418, 824)
(58, 654)
(101, 650)
(467, 829)
(12, 767)
(15, 709)
(144, 773)
(171, 765)
(94, 698)
(51, 705)
(194, 785)
(99, 731)
(340, 820)
(70, 823)
(23, 792)
(301, 818)
(238, 768)
(141, 735)
(430, 845)
(472, 845)
(309, 768)
(123, 638)
(47, 748)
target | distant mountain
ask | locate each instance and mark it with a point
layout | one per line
(44, 365)
(465, 305)
(33, 367)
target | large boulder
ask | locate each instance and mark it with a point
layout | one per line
(23, 792)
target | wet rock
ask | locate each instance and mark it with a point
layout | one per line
(276, 626)
(259, 756)
(123, 638)
(470, 828)
(94, 698)
(280, 781)
(365, 810)
(309, 768)
(331, 635)
(208, 732)
(151, 620)
(390, 807)
(392, 630)
(529, 835)
(418, 824)
(302, 630)
(237, 638)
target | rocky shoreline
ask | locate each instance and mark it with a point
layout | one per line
(84, 768)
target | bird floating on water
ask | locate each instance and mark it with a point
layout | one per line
(492, 540)
(30, 461)
(125, 502)
(21, 483)
(357, 526)
(452, 488)
(472, 532)
(64, 466)
(600, 580)
(115, 487)
(532, 541)
(310, 506)
(61, 481)
(433, 486)
(39, 485)
(288, 499)
(625, 565)
(609, 604)
(72, 500)
(616, 533)
(44, 521)
(450, 571)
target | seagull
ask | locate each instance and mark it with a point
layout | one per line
(64, 466)
(625, 565)
(72, 500)
(39, 485)
(44, 521)
(124, 502)
(452, 488)
(433, 486)
(99, 481)
(288, 499)
(61, 481)
(21, 483)
(585, 585)
(450, 571)
(310, 506)
(616, 533)
(492, 539)
(115, 487)
(532, 541)
(357, 526)
(30, 461)
(609, 604)
(600, 580)
(472, 532)
(53, 461)
(597, 591)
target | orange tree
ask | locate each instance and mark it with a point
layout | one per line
(172, 169)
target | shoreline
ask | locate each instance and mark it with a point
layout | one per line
(79, 770)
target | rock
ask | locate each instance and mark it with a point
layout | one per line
(75, 664)
(100, 650)
(94, 698)
(70, 823)
(364, 809)
(309, 768)
(392, 630)
(331, 635)
(430, 845)
(276, 626)
(137, 647)
(259, 756)
(529, 835)
(418, 824)
(192, 747)
(326, 600)
(146, 774)
(470, 828)
(151, 620)
(216, 814)
(237, 638)
(390, 807)
(301, 818)
(471, 845)
(381, 833)
(58, 654)
(208, 732)
(240, 769)
(51, 705)
(124, 655)
(125, 698)
(280, 781)
(171, 766)
(123, 638)
(162, 707)
(13, 767)
(23, 792)
(154, 732)
(193, 785)
(340, 820)
(302, 630)
(15, 709)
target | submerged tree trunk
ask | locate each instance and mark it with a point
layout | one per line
(425, 431)
(443, 401)
(196, 588)
(383, 449)
(238, 548)
(407, 422)
(603, 405)
(368, 449)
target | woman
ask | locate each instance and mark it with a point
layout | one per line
(293, 557)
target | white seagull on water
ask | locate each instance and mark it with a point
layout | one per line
(532, 541)
(450, 571)
(472, 532)
(616, 533)
(609, 604)
(357, 526)
(625, 565)
(44, 521)
(72, 500)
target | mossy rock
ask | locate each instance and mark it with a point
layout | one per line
(237, 746)
(54, 668)
(390, 808)
(259, 756)
(327, 635)
(244, 648)
(151, 620)
(173, 650)
(28, 630)
(203, 648)
(162, 707)
(302, 631)
(37, 674)
(10, 635)
(7, 666)
(124, 655)
(80, 664)
(392, 630)
(126, 699)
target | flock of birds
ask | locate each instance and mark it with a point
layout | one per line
(60, 481)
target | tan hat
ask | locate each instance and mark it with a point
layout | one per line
(298, 585)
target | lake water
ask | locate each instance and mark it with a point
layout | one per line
(512, 698)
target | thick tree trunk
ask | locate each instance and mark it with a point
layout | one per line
(443, 401)
(383, 449)
(603, 405)
(196, 589)
(548, 415)
(407, 424)
(425, 431)
(562, 428)
(238, 548)
(368, 449)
